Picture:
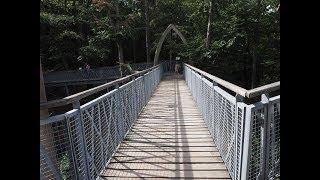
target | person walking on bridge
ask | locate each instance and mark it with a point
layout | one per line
(177, 65)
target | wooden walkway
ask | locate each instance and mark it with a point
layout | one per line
(169, 140)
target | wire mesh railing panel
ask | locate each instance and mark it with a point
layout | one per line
(255, 160)
(240, 118)
(81, 143)
(225, 127)
(97, 73)
(274, 138)
(231, 121)
(56, 157)
(168, 66)
(219, 112)
(264, 140)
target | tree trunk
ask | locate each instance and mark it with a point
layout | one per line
(120, 52)
(209, 28)
(170, 45)
(254, 66)
(119, 43)
(134, 49)
(65, 63)
(254, 53)
(146, 4)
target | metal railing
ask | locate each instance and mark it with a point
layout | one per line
(102, 73)
(80, 143)
(246, 135)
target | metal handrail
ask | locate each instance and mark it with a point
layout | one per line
(263, 89)
(78, 96)
(100, 74)
(237, 89)
(95, 69)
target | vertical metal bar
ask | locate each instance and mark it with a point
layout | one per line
(144, 89)
(264, 137)
(92, 139)
(213, 120)
(239, 99)
(272, 137)
(100, 131)
(80, 126)
(108, 124)
(135, 101)
(72, 149)
(246, 142)
(66, 89)
(120, 118)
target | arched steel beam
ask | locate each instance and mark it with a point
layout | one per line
(164, 35)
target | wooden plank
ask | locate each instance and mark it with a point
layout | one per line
(159, 124)
(167, 144)
(164, 123)
(168, 135)
(170, 167)
(155, 148)
(168, 128)
(170, 140)
(152, 178)
(167, 174)
(175, 130)
(172, 133)
(166, 153)
(167, 160)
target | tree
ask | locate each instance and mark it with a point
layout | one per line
(208, 40)
(254, 45)
(235, 40)
(146, 4)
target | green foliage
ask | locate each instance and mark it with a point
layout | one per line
(56, 20)
(64, 166)
(93, 30)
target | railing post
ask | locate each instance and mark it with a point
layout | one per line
(264, 137)
(144, 90)
(80, 127)
(135, 102)
(200, 94)
(239, 99)
(246, 143)
(214, 84)
(121, 120)
(72, 148)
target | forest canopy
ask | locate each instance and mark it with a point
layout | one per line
(236, 40)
